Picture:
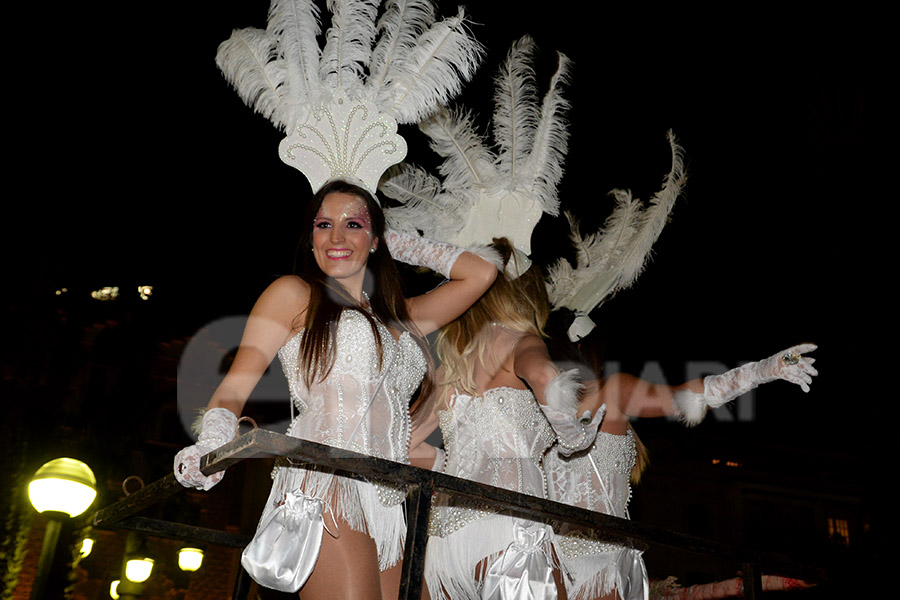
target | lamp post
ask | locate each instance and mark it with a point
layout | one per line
(62, 488)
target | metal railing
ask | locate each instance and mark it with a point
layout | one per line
(422, 484)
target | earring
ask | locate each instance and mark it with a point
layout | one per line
(372, 250)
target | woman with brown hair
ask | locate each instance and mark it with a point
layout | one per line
(352, 350)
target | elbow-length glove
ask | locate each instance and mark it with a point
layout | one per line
(572, 433)
(790, 365)
(422, 252)
(219, 427)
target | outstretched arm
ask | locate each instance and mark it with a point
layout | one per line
(628, 396)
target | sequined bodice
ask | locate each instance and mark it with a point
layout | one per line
(330, 411)
(498, 438)
(574, 480)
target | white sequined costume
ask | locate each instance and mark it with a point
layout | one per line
(590, 562)
(330, 411)
(498, 438)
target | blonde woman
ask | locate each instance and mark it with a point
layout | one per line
(501, 404)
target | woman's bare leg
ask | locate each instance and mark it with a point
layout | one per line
(347, 569)
(390, 582)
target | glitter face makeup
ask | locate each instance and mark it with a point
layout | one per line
(342, 239)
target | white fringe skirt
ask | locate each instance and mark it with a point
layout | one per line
(452, 560)
(372, 508)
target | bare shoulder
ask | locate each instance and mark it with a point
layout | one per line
(285, 299)
(289, 284)
(527, 342)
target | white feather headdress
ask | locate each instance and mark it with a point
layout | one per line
(613, 258)
(340, 105)
(486, 193)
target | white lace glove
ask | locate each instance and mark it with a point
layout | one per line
(218, 428)
(422, 252)
(790, 365)
(572, 433)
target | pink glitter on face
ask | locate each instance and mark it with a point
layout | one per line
(353, 215)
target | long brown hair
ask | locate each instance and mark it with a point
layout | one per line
(519, 304)
(328, 299)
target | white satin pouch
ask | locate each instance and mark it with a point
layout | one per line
(633, 582)
(286, 545)
(523, 571)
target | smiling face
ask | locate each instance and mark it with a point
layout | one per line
(342, 239)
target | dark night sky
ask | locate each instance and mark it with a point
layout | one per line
(161, 173)
(156, 171)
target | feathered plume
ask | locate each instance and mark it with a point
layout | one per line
(348, 97)
(487, 194)
(348, 46)
(295, 24)
(248, 59)
(415, 66)
(613, 258)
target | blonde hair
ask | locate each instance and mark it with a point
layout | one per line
(519, 304)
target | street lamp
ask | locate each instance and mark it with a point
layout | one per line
(62, 488)
(138, 569)
(63, 485)
(190, 559)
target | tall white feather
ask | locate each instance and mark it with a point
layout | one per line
(544, 166)
(654, 219)
(486, 195)
(348, 45)
(295, 25)
(516, 112)
(398, 29)
(433, 70)
(248, 61)
(613, 258)
(417, 190)
(467, 162)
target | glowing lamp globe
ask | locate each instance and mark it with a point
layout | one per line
(63, 485)
(190, 559)
(138, 569)
(114, 590)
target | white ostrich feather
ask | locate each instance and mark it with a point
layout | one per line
(398, 30)
(467, 161)
(433, 70)
(516, 112)
(613, 258)
(544, 165)
(348, 45)
(248, 61)
(295, 24)
(484, 193)
(418, 190)
(654, 219)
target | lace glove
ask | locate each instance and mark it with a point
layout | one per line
(422, 252)
(573, 434)
(218, 428)
(718, 390)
